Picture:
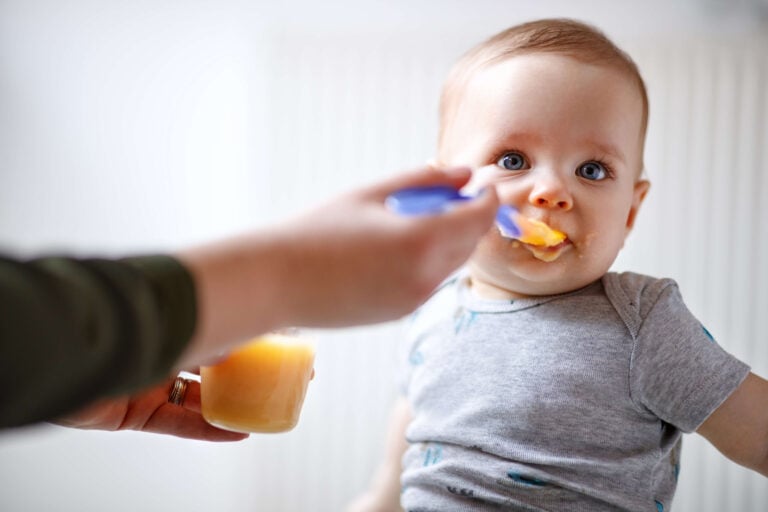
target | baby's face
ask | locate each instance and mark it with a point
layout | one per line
(561, 141)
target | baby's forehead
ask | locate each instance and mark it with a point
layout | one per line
(550, 62)
(550, 81)
(562, 71)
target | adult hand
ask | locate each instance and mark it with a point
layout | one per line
(150, 411)
(348, 262)
(353, 261)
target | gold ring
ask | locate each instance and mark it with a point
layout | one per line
(178, 390)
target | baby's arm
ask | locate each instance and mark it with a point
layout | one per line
(739, 427)
(383, 493)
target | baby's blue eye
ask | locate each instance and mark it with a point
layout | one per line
(594, 171)
(512, 161)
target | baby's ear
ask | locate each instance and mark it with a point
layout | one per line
(638, 195)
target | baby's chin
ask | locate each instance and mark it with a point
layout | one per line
(495, 291)
(518, 286)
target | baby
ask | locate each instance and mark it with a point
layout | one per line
(536, 379)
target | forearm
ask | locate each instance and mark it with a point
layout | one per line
(348, 262)
(739, 428)
(238, 289)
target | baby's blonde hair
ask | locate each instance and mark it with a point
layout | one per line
(566, 37)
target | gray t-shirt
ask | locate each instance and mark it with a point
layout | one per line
(574, 402)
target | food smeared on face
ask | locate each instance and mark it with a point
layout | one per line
(536, 232)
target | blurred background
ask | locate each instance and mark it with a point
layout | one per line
(131, 126)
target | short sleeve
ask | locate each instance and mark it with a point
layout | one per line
(678, 371)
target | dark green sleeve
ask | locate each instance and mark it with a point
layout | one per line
(73, 330)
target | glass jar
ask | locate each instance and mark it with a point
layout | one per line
(259, 387)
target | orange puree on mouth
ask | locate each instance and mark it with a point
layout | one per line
(535, 232)
(260, 387)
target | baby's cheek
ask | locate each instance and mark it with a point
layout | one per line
(588, 239)
(484, 247)
(492, 250)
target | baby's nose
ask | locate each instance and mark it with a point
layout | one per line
(551, 193)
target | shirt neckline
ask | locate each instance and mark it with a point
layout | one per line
(471, 302)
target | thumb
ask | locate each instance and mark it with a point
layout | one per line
(474, 217)
(455, 177)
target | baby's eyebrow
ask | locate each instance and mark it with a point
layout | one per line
(522, 137)
(516, 138)
(608, 149)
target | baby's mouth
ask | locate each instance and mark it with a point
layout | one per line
(537, 233)
(550, 253)
(543, 241)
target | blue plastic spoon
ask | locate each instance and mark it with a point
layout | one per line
(440, 198)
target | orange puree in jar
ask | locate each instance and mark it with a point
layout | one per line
(260, 387)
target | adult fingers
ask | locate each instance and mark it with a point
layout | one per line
(470, 218)
(455, 177)
(192, 397)
(455, 233)
(183, 422)
(185, 419)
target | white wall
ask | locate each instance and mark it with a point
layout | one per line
(130, 126)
